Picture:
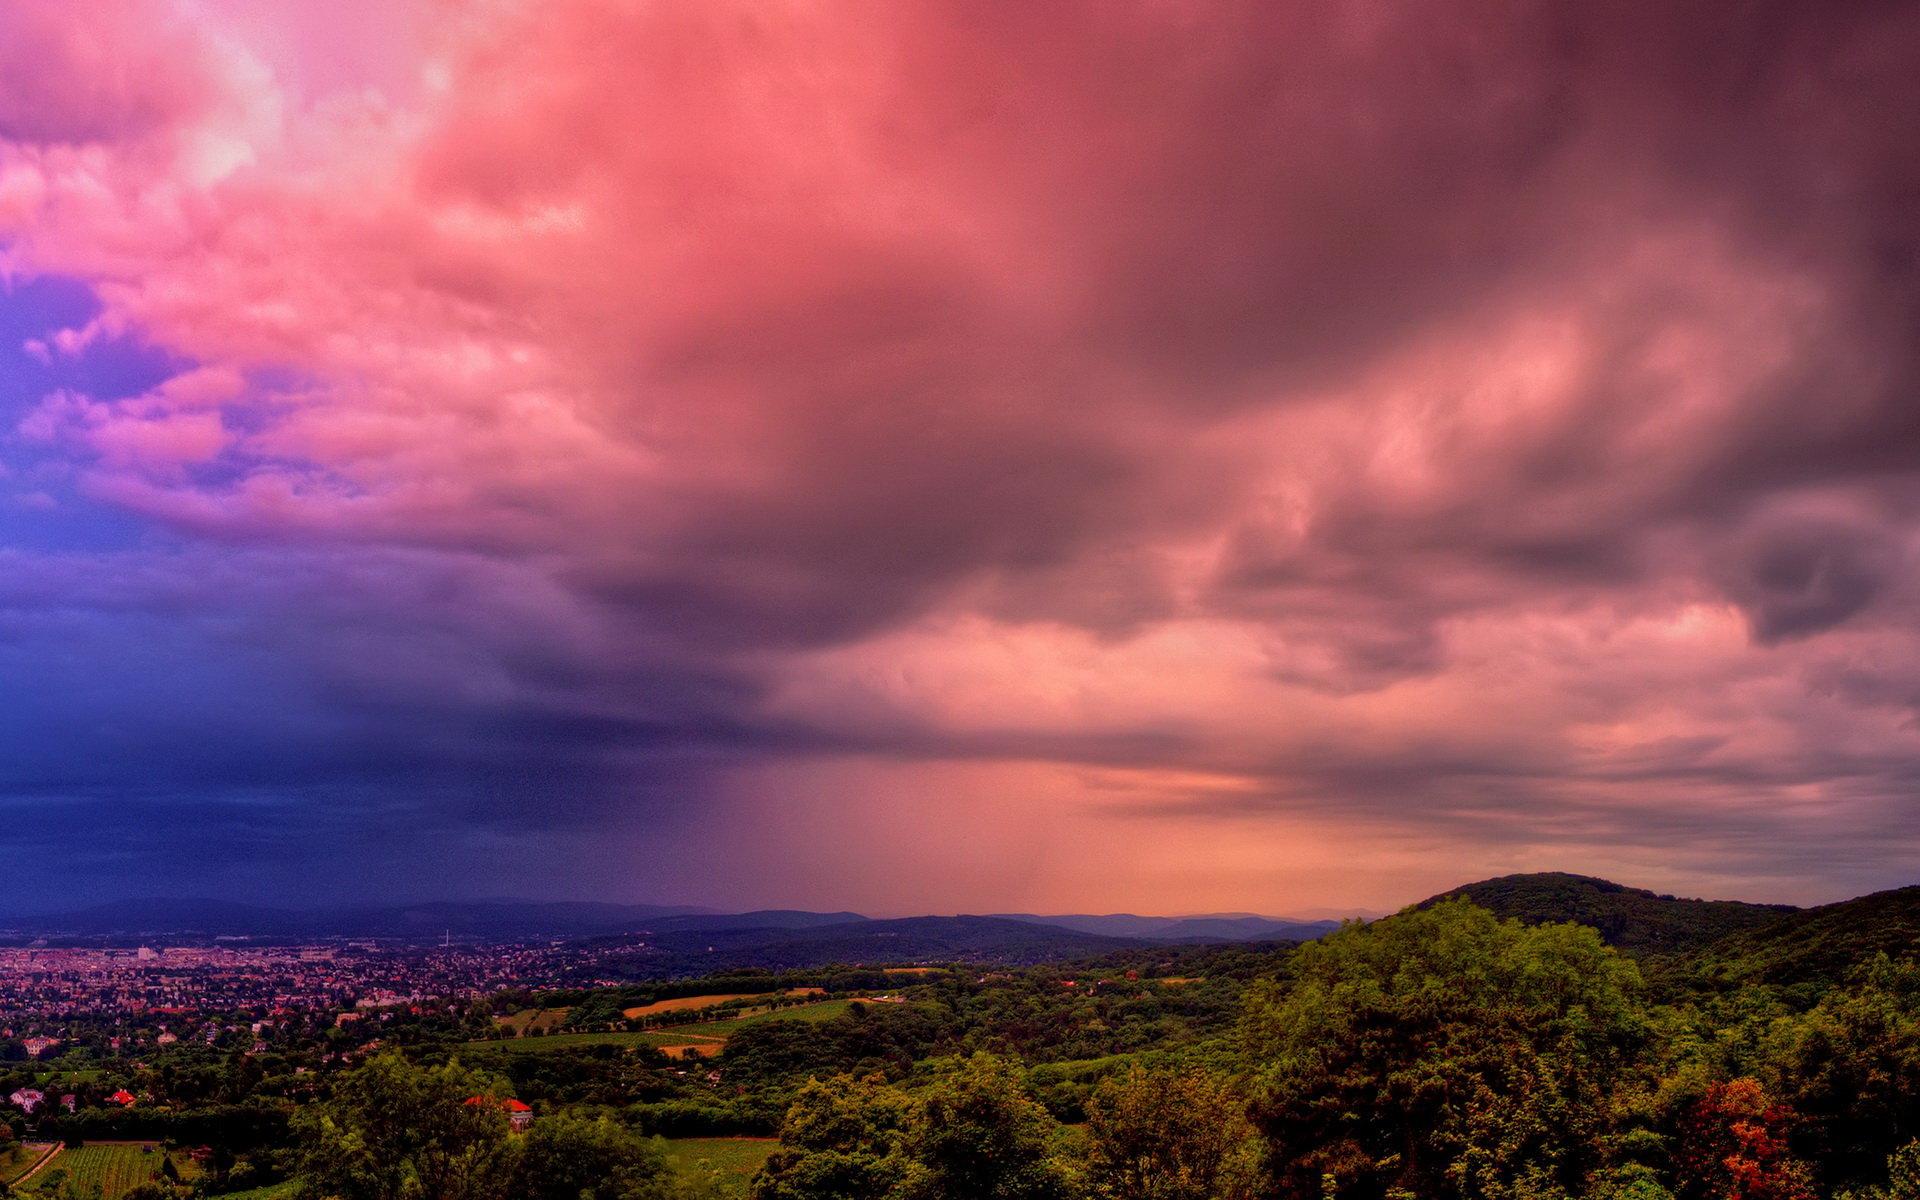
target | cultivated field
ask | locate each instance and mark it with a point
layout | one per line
(22, 1158)
(685, 1003)
(734, 1160)
(820, 1010)
(533, 1020)
(690, 1003)
(273, 1191)
(700, 1034)
(114, 1168)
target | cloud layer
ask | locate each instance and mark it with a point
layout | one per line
(933, 455)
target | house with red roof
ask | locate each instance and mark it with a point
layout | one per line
(123, 1098)
(519, 1115)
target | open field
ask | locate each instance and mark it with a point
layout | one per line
(555, 1042)
(273, 1191)
(533, 1020)
(690, 1003)
(703, 1049)
(23, 1158)
(735, 1159)
(694, 1034)
(684, 1003)
(115, 1168)
(820, 1010)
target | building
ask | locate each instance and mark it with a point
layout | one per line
(28, 1099)
(519, 1115)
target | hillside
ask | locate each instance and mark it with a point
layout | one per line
(1818, 945)
(1631, 918)
(1219, 927)
(906, 940)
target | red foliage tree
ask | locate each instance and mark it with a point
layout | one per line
(1733, 1146)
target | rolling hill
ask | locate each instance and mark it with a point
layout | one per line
(1628, 917)
(1213, 927)
(1817, 945)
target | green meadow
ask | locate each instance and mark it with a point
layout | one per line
(673, 1035)
(733, 1161)
(111, 1168)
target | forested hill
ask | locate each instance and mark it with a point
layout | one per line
(1627, 917)
(1818, 945)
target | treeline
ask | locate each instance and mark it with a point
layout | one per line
(1441, 1054)
(605, 1007)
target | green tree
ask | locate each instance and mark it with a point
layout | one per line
(568, 1157)
(842, 1139)
(1169, 1136)
(1903, 1178)
(978, 1135)
(1442, 1054)
(1903, 1173)
(392, 1131)
(1851, 1070)
(1628, 1181)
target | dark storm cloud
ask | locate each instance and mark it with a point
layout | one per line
(1490, 421)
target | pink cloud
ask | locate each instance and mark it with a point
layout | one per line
(1446, 422)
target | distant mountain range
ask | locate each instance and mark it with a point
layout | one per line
(902, 940)
(516, 920)
(1704, 940)
(1216, 927)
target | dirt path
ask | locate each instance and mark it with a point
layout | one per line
(46, 1156)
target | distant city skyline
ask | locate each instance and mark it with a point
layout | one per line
(935, 458)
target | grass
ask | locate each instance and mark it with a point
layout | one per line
(115, 1168)
(555, 1042)
(683, 1003)
(17, 1161)
(677, 1035)
(273, 1191)
(533, 1020)
(734, 1160)
(819, 1010)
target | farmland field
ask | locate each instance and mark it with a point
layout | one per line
(691, 1003)
(678, 1035)
(533, 1020)
(115, 1168)
(273, 1191)
(734, 1159)
(820, 1010)
(683, 1003)
(565, 1041)
(21, 1159)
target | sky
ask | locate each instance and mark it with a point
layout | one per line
(922, 456)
